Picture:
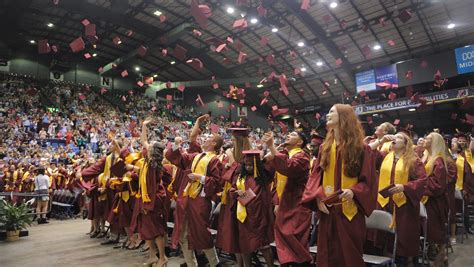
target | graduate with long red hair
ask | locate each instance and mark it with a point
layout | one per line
(345, 164)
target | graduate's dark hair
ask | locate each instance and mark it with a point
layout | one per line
(262, 175)
(156, 155)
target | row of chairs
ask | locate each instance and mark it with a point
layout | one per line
(378, 220)
(63, 202)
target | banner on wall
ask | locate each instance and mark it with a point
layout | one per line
(56, 76)
(402, 103)
(4, 65)
(386, 76)
(365, 81)
(465, 59)
(105, 82)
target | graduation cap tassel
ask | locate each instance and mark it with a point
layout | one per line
(254, 167)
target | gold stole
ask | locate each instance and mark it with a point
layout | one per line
(199, 166)
(103, 177)
(311, 162)
(469, 159)
(281, 179)
(15, 176)
(349, 208)
(142, 187)
(385, 147)
(174, 170)
(424, 199)
(460, 172)
(226, 189)
(401, 177)
(124, 195)
(25, 175)
(241, 210)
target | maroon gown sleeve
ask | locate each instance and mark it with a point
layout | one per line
(416, 184)
(93, 171)
(366, 189)
(152, 180)
(296, 166)
(436, 182)
(213, 183)
(313, 191)
(228, 173)
(468, 182)
(180, 159)
(124, 153)
(194, 147)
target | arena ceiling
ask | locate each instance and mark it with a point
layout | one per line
(327, 43)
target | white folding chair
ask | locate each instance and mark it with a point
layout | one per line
(460, 225)
(423, 239)
(381, 220)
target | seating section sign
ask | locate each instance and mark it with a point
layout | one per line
(465, 59)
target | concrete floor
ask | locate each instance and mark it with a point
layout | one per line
(63, 243)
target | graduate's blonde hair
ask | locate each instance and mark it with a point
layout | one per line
(437, 150)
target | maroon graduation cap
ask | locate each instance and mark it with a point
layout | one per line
(270, 59)
(90, 30)
(77, 45)
(242, 56)
(405, 15)
(283, 83)
(195, 63)
(43, 47)
(179, 52)
(142, 50)
(181, 87)
(200, 13)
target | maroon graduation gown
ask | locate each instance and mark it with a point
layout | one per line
(407, 217)
(227, 229)
(151, 217)
(293, 221)
(100, 209)
(437, 205)
(452, 176)
(197, 211)
(178, 186)
(340, 241)
(257, 229)
(468, 185)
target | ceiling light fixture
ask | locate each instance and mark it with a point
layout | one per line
(377, 47)
(157, 13)
(32, 41)
(94, 55)
(137, 68)
(274, 29)
(259, 85)
(451, 25)
(300, 44)
(319, 63)
(156, 75)
(303, 69)
(173, 62)
(50, 25)
(253, 20)
(230, 10)
(412, 109)
(333, 5)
